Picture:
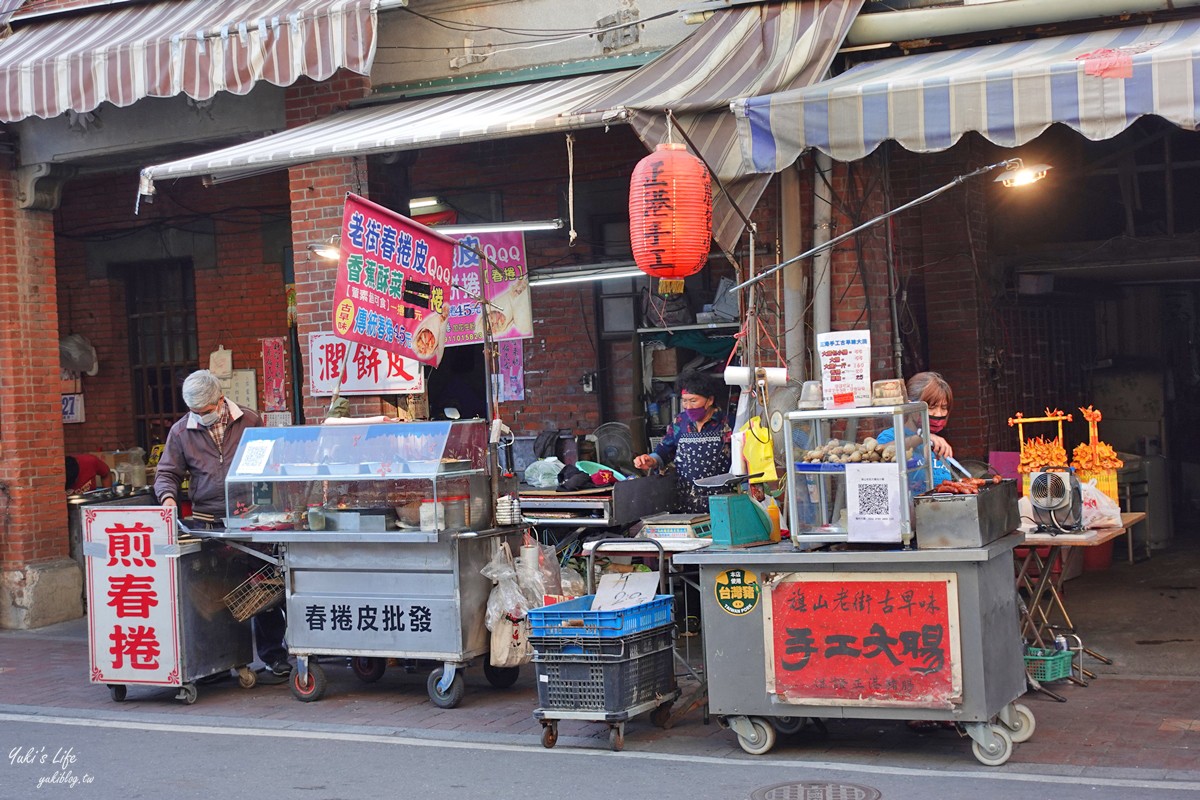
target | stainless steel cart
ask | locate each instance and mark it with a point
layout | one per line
(197, 637)
(899, 634)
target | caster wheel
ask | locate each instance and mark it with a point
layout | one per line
(1025, 724)
(246, 678)
(549, 736)
(367, 669)
(788, 725)
(117, 692)
(762, 740)
(660, 716)
(452, 696)
(188, 693)
(1003, 749)
(500, 677)
(314, 688)
(616, 738)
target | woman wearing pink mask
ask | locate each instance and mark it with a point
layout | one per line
(698, 441)
(932, 389)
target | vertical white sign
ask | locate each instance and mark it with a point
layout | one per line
(845, 358)
(133, 636)
(873, 503)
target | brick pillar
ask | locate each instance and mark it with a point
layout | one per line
(39, 583)
(318, 194)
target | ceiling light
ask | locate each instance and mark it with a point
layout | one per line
(1017, 174)
(330, 249)
(420, 203)
(499, 227)
(586, 275)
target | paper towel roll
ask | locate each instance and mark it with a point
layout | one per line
(744, 376)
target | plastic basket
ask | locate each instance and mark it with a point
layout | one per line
(634, 645)
(606, 682)
(262, 590)
(1048, 665)
(574, 618)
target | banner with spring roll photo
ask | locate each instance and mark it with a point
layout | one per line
(393, 282)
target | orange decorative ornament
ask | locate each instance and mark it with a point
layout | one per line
(670, 215)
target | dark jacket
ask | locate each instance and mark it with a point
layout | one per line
(190, 450)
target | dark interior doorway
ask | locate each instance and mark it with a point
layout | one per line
(458, 382)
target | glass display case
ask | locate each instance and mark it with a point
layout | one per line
(821, 444)
(369, 478)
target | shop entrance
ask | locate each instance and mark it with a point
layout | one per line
(458, 382)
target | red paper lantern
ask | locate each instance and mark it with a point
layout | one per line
(670, 215)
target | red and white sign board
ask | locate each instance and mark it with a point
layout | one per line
(133, 635)
(864, 639)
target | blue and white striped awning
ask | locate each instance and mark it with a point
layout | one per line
(1096, 83)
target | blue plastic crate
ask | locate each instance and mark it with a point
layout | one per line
(575, 618)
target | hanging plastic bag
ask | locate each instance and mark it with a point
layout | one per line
(506, 598)
(758, 451)
(510, 645)
(1099, 510)
(573, 584)
(543, 473)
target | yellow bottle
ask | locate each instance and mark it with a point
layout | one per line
(773, 513)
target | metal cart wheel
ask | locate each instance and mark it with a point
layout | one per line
(117, 692)
(500, 677)
(1020, 724)
(616, 736)
(788, 725)
(187, 693)
(314, 688)
(549, 734)
(762, 740)
(367, 668)
(452, 696)
(661, 716)
(246, 678)
(999, 752)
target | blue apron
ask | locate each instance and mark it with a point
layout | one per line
(699, 454)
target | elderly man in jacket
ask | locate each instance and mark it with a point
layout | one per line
(200, 446)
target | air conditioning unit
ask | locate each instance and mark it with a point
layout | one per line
(1056, 500)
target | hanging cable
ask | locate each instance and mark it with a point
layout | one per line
(571, 234)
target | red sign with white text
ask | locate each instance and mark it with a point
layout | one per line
(132, 632)
(393, 282)
(865, 639)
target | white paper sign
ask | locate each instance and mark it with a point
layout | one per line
(132, 632)
(873, 503)
(254, 457)
(369, 370)
(625, 589)
(845, 358)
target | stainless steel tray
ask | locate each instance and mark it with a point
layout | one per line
(966, 520)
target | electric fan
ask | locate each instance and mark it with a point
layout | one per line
(1056, 500)
(614, 446)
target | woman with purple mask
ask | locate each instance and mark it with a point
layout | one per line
(932, 389)
(698, 441)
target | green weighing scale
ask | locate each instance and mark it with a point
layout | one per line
(735, 518)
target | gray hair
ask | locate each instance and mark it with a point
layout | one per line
(201, 389)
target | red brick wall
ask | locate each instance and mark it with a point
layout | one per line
(33, 519)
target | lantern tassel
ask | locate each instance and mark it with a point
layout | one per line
(571, 234)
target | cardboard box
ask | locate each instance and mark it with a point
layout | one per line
(665, 363)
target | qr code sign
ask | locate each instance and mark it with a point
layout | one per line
(874, 500)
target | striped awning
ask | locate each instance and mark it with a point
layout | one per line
(194, 47)
(7, 7)
(739, 51)
(1096, 83)
(452, 119)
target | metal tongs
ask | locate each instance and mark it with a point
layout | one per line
(954, 463)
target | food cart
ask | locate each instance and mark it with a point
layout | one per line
(156, 615)
(869, 629)
(381, 531)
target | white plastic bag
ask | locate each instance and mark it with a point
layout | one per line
(506, 598)
(1099, 510)
(543, 473)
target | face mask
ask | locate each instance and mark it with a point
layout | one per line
(936, 424)
(207, 420)
(695, 414)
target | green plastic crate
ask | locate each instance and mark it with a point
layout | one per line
(1048, 665)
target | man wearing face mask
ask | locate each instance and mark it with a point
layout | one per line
(698, 441)
(932, 389)
(200, 446)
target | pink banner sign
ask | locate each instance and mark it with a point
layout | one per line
(274, 374)
(393, 282)
(511, 354)
(507, 288)
(368, 369)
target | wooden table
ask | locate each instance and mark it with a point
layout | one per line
(1044, 614)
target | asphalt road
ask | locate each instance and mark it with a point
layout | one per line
(104, 759)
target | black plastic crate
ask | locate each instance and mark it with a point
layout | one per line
(568, 648)
(608, 683)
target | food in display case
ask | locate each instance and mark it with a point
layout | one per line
(417, 476)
